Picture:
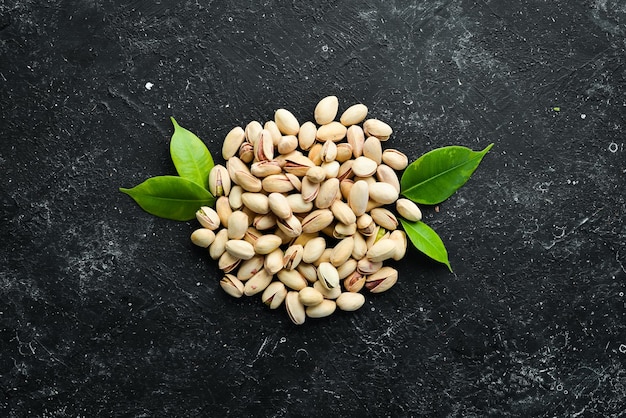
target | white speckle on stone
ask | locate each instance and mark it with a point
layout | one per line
(149, 85)
(583, 116)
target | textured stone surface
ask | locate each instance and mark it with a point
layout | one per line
(106, 310)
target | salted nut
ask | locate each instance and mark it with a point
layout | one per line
(305, 214)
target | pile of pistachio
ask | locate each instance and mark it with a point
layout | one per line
(303, 215)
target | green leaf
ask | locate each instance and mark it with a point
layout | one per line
(170, 197)
(191, 157)
(426, 240)
(436, 175)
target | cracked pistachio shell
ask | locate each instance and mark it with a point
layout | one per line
(257, 283)
(219, 181)
(232, 285)
(317, 220)
(274, 295)
(328, 293)
(354, 114)
(256, 202)
(279, 205)
(344, 230)
(235, 164)
(208, 218)
(252, 235)
(265, 168)
(290, 226)
(286, 122)
(399, 237)
(234, 198)
(382, 250)
(322, 310)
(366, 266)
(328, 275)
(384, 218)
(292, 279)
(218, 247)
(333, 131)
(232, 142)
(202, 237)
(252, 131)
(359, 195)
(295, 308)
(395, 159)
(342, 252)
(310, 297)
(228, 262)
(246, 152)
(250, 267)
(327, 193)
(366, 225)
(293, 256)
(315, 154)
(329, 151)
(383, 193)
(350, 301)
(326, 110)
(373, 150)
(306, 136)
(408, 210)
(382, 280)
(364, 167)
(345, 171)
(377, 128)
(354, 282)
(331, 168)
(296, 163)
(277, 183)
(310, 190)
(345, 186)
(267, 243)
(238, 223)
(274, 261)
(264, 146)
(356, 139)
(248, 181)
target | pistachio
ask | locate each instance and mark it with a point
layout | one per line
(382, 280)
(358, 198)
(219, 181)
(287, 144)
(326, 110)
(327, 194)
(345, 186)
(316, 174)
(234, 197)
(308, 271)
(386, 174)
(298, 204)
(286, 122)
(310, 297)
(295, 308)
(240, 248)
(248, 182)
(279, 205)
(253, 130)
(223, 209)
(345, 171)
(271, 126)
(328, 275)
(208, 218)
(306, 136)
(266, 168)
(360, 246)
(303, 238)
(292, 279)
(232, 285)
(364, 167)
(395, 159)
(277, 183)
(399, 237)
(344, 230)
(267, 243)
(331, 169)
(315, 153)
(233, 165)
(232, 142)
(295, 182)
(347, 268)
(372, 204)
(252, 235)
(257, 283)
(356, 139)
(274, 295)
(342, 212)
(377, 128)
(296, 163)
(384, 218)
(344, 152)
(256, 202)
(246, 152)
(383, 193)
(250, 267)
(329, 151)
(342, 251)
(264, 146)
(228, 262)
(354, 282)
(354, 114)
(317, 220)
(373, 150)
(408, 210)
(366, 266)
(218, 247)
(286, 239)
(333, 131)
(203, 237)
(313, 249)
(264, 222)
(366, 225)
(293, 256)
(324, 309)
(237, 225)
(349, 301)
(327, 293)
(310, 190)
(382, 250)
(274, 261)
(290, 226)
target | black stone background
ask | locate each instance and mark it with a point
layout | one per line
(108, 311)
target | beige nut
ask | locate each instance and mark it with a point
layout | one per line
(286, 122)
(322, 310)
(326, 110)
(359, 195)
(308, 271)
(395, 159)
(384, 218)
(256, 202)
(298, 204)
(313, 249)
(250, 267)
(238, 223)
(287, 144)
(354, 282)
(333, 131)
(291, 226)
(257, 283)
(310, 297)
(232, 285)
(328, 275)
(382, 280)
(408, 210)
(218, 247)
(292, 279)
(382, 250)
(267, 243)
(274, 261)
(373, 150)
(306, 136)
(364, 167)
(328, 293)
(399, 237)
(354, 114)
(377, 128)
(356, 139)
(253, 130)
(383, 193)
(386, 174)
(232, 142)
(293, 256)
(202, 237)
(274, 295)
(279, 205)
(327, 193)
(295, 308)
(317, 220)
(208, 218)
(264, 146)
(350, 301)
(342, 252)
(240, 248)
(223, 209)
(219, 181)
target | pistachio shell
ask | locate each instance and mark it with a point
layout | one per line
(342, 212)
(286, 122)
(333, 131)
(382, 280)
(235, 164)
(395, 159)
(356, 139)
(253, 130)
(228, 262)
(372, 149)
(256, 202)
(234, 197)
(240, 249)
(257, 283)
(386, 174)
(359, 195)
(274, 261)
(364, 167)
(399, 237)
(232, 142)
(246, 152)
(326, 110)
(264, 222)
(290, 226)
(274, 295)
(322, 310)
(310, 190)
(344, 230)
(277, 183)
(295, 163)
(383, 193)
(267, 243)
(328, 275)
(384, 218)
(218, 247)
(202, 237)
(328, 293)
(252, 235)
(293, 256)
(287, 144)
(297, 203)
(317, 220)
(347, 268)
(271, 126)
(292, 279)
(313, 249)
(331, 168)
(344, 152)
(264, 146)
(310, 297)
(295, 308)
(279, 205)
(316, 174)
(223, 209)
(250, 267)
(377, 128)
(354, 114)
(237, 225)
(247, 181)
(208, 218)
(327, 194)
(306, 136)
(354, 282)
(360, 246)
(265, 168)
(367, 267)
(382, 250)
(408, 210)
(342, 251)
(232, 286)
(315, 153)
(329, 151)
(349, 301)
